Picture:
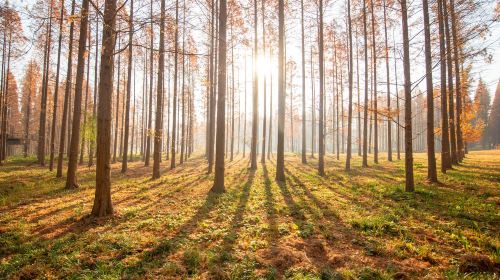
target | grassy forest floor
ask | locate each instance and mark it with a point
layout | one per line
(346, 225)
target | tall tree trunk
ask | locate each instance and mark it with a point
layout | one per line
(82, 143)
(398, 134)
(270, 138)
(280, 155)
(264, 115)
(451, 110)
(102, 200)
(431, 157)
(349, 109)
(43, 102)
(375, 112)
(183, 87)
(409, 184)
(174, 101)
(67, 94)
(94, 107)
(321, 132)
(460, 141)
(115, 146)
(218, 186)
(77, 108)
(56, 91)
(150, 106)
(388, 81)
(159, 94)
(28, 113)
(129, 82)
(445, 144)
(255, 96)
(365, 111)
(304, 142)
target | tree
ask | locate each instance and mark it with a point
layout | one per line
(264, 115)
(349, 108)
(102, 199)
(482, 102)
(56, 90)
(493, 128)
(280, 154)
(29, 89)
(304, 142)
(67, 94)
(174, 100)
(43, 102)
(77, 108)
(365, 109)
(388, 81)
(321, 129)
(218, 186)
(129, 82)
(159, 97)
(409, 183)
(445, 138)
(255, 97)
(431, 157)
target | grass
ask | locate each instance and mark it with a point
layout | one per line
(346, 225)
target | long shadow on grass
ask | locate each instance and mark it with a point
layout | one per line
(165, 248)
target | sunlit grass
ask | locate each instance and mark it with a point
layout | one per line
(357, 224)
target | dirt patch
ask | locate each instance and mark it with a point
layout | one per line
(478, 263)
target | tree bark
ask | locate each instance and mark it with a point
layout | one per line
(129, 82)
(431, 157)
(409, 184)
(56, 91)
(218, 186)
(349, 109)
(77, 107)
(159, 95)
(102, 200)
(280, 157)
(67, 93)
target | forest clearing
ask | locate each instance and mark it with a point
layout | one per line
(250, 139)
(345, 225)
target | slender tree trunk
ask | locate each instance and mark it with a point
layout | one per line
(43, 102)
(159, 94)
(304, 142)
(56, 91)
(431, 157)
(365, 111)
(280, 157)
(174, 101)
(451, 110)
(129, 82)
(255, 96)
(270, 138)
(409, 184)
(460, 142)
(80, 68)
(183, 86)
(115, 146)
(375, 110)
(218, 186)
(28, 113)
(264, 115)
(349, 109)
(82, 144)
(67, 93)
(150, 106)
(102, 200)
(321, 132)
(388, 81)
(94, 107)
(445, 144)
